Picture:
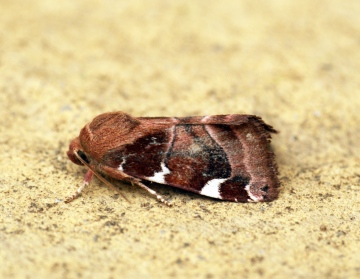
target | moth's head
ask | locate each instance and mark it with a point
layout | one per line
(75, 148)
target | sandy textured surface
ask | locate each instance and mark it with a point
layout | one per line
(295, 63)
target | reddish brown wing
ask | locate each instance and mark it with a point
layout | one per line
(225, 156)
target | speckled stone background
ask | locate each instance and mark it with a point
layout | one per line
(295, 63)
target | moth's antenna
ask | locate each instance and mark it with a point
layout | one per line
(107, 183)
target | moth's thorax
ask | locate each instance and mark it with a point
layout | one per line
(113, 130)
(105, 132)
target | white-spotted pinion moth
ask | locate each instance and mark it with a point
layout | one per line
(221, 156)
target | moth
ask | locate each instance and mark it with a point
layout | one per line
(226, 157)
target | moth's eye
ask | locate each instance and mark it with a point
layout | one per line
(83, 156)
(265, 189)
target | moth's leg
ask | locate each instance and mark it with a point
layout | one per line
(117, 174)
(151, 191)
(87, 179)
